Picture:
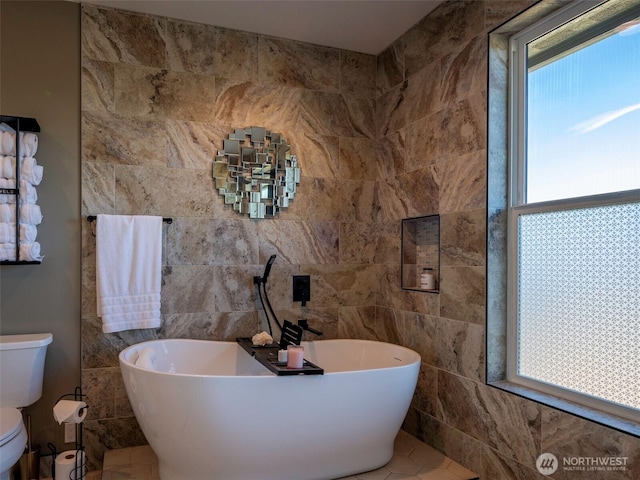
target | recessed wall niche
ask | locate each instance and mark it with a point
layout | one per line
(421, 253)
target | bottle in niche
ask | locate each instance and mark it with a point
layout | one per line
(427, 279)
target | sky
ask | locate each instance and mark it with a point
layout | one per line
(584, 120)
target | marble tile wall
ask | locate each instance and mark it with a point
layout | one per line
(158, 98)
(379, 139)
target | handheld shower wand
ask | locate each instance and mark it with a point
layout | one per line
(267, 269)
(261, 282)
(289, 332)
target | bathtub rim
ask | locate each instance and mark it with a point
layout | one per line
(417, 359)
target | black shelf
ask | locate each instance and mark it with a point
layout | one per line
(18, 262)
(268, 356)
(22, 124)
(19, 124)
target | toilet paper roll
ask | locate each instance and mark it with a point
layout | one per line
(71, 464)
(69, 411)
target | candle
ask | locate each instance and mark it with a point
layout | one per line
(295, 356)
(282, 355)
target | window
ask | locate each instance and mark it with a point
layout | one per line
(573, 256)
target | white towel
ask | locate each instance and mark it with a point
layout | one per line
(30, 171)
(29, 214)
(7, 166)
(8, 143)
(29, 252)
(128, 271)
(28, 143)
(28, 233)
(28, 193)
(146, 358)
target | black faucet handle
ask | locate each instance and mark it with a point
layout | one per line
(304, 324)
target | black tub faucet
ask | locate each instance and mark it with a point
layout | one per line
(304, 324)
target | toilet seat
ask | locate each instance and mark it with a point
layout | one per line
(10, 424)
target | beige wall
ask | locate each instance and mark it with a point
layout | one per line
(40, 78)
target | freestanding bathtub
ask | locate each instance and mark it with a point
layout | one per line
(210, 411)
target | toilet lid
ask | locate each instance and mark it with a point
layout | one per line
(10, 424)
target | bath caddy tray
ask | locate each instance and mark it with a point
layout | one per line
(268, 356)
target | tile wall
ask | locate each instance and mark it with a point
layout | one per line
(158, 98)
(379, 139)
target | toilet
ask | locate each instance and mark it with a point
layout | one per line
(21, 373)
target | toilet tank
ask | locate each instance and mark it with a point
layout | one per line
(22, 368)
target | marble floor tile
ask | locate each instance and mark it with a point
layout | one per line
(412, 460)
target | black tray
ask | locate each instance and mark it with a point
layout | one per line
(268, 356)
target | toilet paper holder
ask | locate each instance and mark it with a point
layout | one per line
(80, 460)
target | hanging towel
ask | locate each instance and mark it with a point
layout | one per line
(128, 271)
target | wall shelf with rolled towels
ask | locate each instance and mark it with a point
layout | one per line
(19, 213)
(168, 221)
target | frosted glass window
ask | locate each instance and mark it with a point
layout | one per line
(579, 300)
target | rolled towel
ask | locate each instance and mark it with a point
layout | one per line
(30, 171)
(7, 232)
(29, 214)
(7, 183)
(28, 144)
(8, 143)
(29, 252)
(7, 213)
(7, 166)
(28, 193)
(4, 127)
(28, 233)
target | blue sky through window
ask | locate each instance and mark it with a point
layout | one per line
(584, 120)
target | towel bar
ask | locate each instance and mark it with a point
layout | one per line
(93, 218)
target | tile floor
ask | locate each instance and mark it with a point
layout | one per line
(412, 460)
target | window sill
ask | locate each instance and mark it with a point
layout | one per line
(608, 420)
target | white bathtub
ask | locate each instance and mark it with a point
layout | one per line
(210, 411)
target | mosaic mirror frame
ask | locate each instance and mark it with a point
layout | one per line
(256, 172)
